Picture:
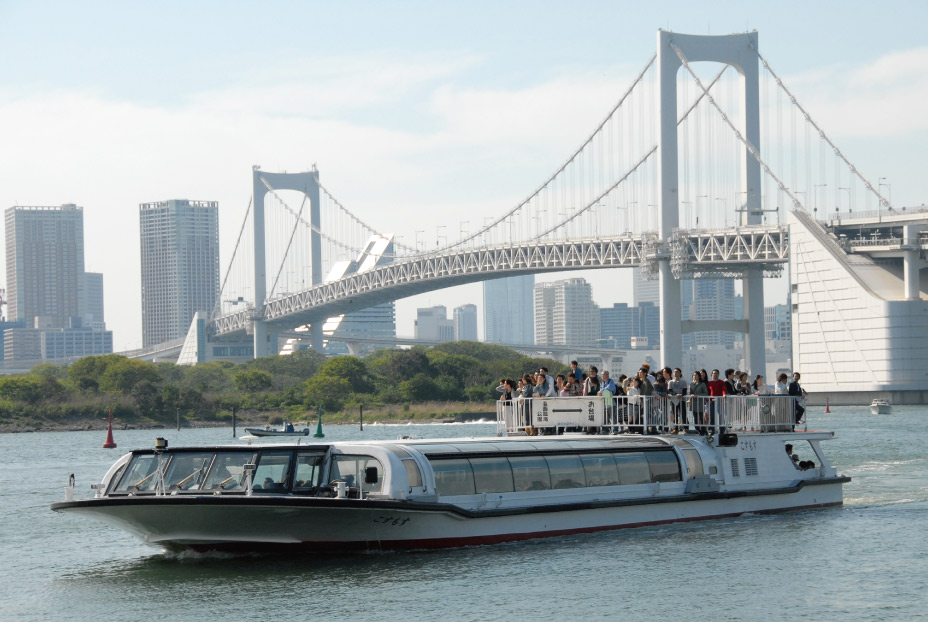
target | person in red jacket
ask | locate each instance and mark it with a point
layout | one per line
(717, 389)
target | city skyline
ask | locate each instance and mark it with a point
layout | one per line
(83, 125)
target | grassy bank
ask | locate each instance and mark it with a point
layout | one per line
(395, 413)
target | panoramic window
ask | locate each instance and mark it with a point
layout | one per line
(600, 470)
(530, 473)
(633, 468)
(187, 470)
(492, 474)
(141, 474)
(664, 466)
(351, 468)
(566, 471)
(308, 470)
(453, 477)
(273, 472)
(693, 463)
(228, 471)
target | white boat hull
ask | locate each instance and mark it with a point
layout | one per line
(341, 524)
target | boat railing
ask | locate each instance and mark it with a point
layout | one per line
(652, 414)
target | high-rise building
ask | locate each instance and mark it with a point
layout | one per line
(44, 261)
(465, 323)
(565, 313)
(432, 324)
(508, 310)
(644, 290)
(618, 323)
(778, 323)
(714, 299)
(180, 265)
(90, 300)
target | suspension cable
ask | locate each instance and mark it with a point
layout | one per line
(820, 131)
(751, 149)
(563, 166)
(363, 224)
(296, 224)
(217, 308)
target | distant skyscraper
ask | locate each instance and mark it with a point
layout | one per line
(90, 300)
(465, 323)
(644, 290)
(508, 310)
(565, 313)
(180, 266)
(432, 323)
(714, 299)
(618, 323)
(44, 261)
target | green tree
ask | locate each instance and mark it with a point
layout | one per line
(85, 374)
(26, 388)
(347, 368)
(122, 375)
(329, 394)
(252, 380)
(419, 388)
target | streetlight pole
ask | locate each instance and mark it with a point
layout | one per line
(815, 197)
(417, 239)
(701, 196)
(850, 210)
(881, 201)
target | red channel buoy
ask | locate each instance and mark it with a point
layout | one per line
(827, 410)
(110, 443)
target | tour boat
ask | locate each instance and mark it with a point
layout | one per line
(880, 406)
(535, 479)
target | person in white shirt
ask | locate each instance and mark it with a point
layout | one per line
(781, 387)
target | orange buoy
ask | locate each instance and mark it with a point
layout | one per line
(109, 443)
(827, 410)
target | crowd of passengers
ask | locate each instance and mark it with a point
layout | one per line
(666, 382)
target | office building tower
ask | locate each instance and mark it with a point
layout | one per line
(565, 313)
(465, 323)
(90, 300)
(714, 299)
(644, 290)
(44, 261)
(778, 323)
(180, 266)
(617, 323)
(432, 324)
(508, 310)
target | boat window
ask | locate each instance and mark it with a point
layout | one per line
(693, 463)
(530, 473)
(566, 471)
(399, 451)
(438, 449)
(600, 470)
(273, 471)
(633, 468)
(308, 470)
(492, 474)
(412, 472)
(664, 466)
(141, 474)
(453, 477)
(351, 468)
(187, 470)
(227, 472)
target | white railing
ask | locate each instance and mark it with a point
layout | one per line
(648, 414)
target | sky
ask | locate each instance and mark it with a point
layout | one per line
(417, 114)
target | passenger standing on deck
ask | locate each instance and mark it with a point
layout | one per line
(608, 384)
(561, 381)
(717, 390)
(575, 371)
(698, 391)
(574, 388)
(541, 385)
(799, 393)
(552, 388)
(591, 386)
(781, 387)
(677, 390)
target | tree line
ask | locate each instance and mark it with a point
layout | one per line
(293, 385)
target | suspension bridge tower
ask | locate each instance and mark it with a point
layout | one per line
(308, 184)
(740, 52)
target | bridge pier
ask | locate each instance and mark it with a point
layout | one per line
(354, 348)
(755, 355)
(911, 261)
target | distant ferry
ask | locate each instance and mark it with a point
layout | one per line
(533, 482)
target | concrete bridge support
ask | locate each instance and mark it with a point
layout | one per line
(911, 261)
(307, 183)
(739, 51)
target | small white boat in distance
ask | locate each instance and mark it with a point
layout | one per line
(880, 406)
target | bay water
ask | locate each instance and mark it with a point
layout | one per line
(866, 560)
